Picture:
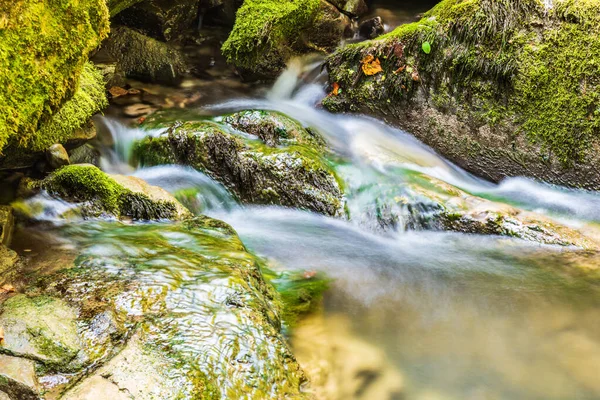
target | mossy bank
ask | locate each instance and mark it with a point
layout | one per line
(502, 88)
(43, 53)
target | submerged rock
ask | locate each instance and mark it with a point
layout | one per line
(500, 88)
(97, 193)
(267, 33)
(160, 310)
(44, 51)
(284, 165)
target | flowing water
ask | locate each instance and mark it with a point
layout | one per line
(457, 316)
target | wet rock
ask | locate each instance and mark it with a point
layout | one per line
(209, 323)
(57, 156)
(97, 194)
(135, 372)
(293, 173)
(144, 58)
(86, 154)
(371, 28)
(269, 33)
(7, 224)
(18, 379)
(355, 8)
(42, 329)
(497, 104)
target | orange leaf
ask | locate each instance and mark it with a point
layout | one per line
(402, 68)
(371, 65)
(1, 334)
(7, 289)
(336, 89)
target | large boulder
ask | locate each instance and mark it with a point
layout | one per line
(262, 157)
(267, 33)
(178, 310)
(43, 53)
(144, 58)
(501, 88)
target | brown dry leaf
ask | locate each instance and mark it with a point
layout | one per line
(371, 65)
(116, 91)
(415, 76)
(1, 335)
(402, 68)
(336, 89)
(7, 289)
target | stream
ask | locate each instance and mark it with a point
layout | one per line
(454, 316)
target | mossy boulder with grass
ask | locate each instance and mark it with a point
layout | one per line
(43, 53)
(267, 33)
(99, 194)
(502, 88)
(260, 156)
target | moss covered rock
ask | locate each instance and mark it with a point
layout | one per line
(144, 58)
(281, 163)
(502, 88)
(116, 195)
(267, 33)
(43, 52)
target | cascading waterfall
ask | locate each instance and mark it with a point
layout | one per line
(423, 297)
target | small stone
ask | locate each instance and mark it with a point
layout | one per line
(57, 156)
(138, 110)
(371, 28)
(117, 91)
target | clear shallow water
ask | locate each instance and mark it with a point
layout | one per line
(460, 316)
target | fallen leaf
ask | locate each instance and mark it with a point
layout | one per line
(336, 89)
(371, 65)
(309, 274)
(117, 91)
(415, 76)
(1, 335)
(7, 289)
(141, 120)
(402, 68)
(426, 47)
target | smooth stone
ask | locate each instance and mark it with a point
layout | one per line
(57, 156)
(371, 28)
(17, 378)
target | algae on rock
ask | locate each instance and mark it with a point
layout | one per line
(268, 33)
(120, 196)
(508, 87)
(286, 166)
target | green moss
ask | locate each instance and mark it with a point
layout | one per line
(43, 49)
(300, 294)
(89, 99)
(499, 63)
(86, 183)
(264, 26)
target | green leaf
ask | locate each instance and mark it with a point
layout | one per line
(426, 47)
